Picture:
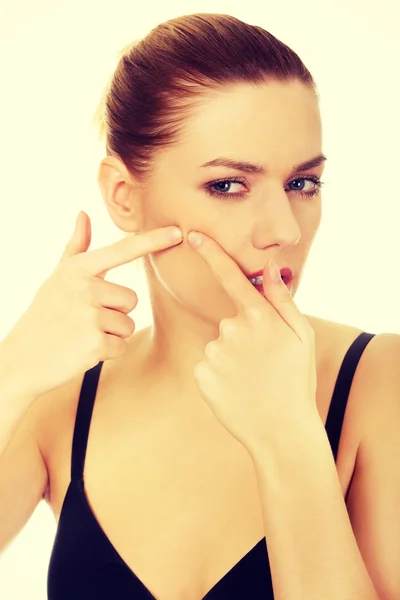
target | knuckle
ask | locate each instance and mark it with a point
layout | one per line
(132, 300)
(202, 367)
(209, 350)
(130, 326)
(93, 317)
(226, 328)
(96, 343)
(86, 289)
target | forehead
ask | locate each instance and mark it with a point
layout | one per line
(273, 123)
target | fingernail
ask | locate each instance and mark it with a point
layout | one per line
(174, 234)
(195, 239)
(274, 271)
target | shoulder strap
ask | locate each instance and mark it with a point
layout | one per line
(334, 421)
(337, 409)
(82, 420)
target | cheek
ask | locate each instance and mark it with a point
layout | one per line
(313, 225)
(180, 264)
(160, 209)
(309, 221)
(189, 279)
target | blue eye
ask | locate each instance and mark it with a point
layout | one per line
(229, 180)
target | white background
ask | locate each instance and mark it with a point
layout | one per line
(56, 57)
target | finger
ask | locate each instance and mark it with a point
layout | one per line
(230, 276)
(80, 240)
(126, 250)
(114, 296)
(281, 299)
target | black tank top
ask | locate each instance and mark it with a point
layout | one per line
(84, 565)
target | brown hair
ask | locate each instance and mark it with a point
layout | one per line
(161, 77)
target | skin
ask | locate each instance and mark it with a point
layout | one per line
(277, 125)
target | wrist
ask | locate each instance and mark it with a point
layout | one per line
(292, 446)
(14, 380)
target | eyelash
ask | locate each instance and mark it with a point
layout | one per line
(309, 194)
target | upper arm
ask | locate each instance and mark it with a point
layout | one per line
(23, 476)
(374, 498)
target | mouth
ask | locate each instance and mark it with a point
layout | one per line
(257, 278)
(259, 283)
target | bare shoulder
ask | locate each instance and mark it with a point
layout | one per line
(330, 335)
(382, 387)
(378, 368)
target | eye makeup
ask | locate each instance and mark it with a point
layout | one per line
(241, 180)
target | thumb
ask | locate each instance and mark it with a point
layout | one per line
(81, 237)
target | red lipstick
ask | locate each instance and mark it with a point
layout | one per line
(285, 272)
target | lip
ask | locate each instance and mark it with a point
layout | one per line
(286, 274)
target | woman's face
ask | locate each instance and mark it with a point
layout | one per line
(257, 217)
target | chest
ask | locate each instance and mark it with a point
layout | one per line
(178, 499)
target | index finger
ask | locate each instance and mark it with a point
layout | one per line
(230, 276)
(130, 248)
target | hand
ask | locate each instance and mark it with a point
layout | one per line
(78, 319)
(259, 377)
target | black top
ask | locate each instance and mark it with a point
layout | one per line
(84, 565)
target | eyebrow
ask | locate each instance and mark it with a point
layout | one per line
(257, 168)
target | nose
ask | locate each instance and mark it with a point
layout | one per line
(276, 225)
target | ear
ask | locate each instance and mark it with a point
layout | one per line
(120, 194)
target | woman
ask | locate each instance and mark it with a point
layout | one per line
(213, 457)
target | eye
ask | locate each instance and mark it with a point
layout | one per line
(311, 179)
(222, 183)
